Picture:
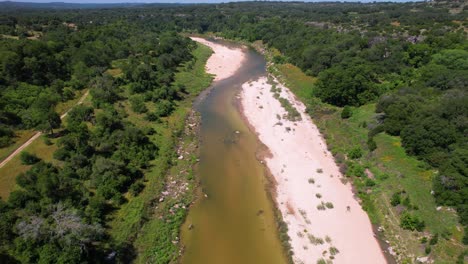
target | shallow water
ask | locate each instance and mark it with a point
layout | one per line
(234, 222)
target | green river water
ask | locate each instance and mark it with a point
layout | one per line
(234, 222)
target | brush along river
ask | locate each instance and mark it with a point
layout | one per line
(233, 220)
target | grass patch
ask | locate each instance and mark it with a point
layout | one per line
(14, 167)
(299, 83)
(21, 136)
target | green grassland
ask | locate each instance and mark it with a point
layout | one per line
(392, 171)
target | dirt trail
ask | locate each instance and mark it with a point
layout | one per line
(38, 134)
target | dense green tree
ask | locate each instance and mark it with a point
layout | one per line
(353, 85)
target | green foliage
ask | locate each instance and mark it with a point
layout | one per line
(28, 158)
(351, 85)
(423, 77)
(371, 144)
(103, 91)
(396, 199)
(355, 153)
(434, 240)
(136, 188)
(346, 112)
(411, 222)
(293, 114)
(355, 169)
(138, 104)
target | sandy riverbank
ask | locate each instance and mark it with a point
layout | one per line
(307, 176)
(304, 171)
(224, 62)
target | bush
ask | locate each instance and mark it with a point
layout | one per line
(315, 240)
(333, 251)
(61, 154)
(136, 188)
(355, 169)
(355, 153)
(434, 240)
(371, 145)
(321, 207)
(396, 199)
(346, 112)
(369, 182)
(427, 250)
(411, 222)
(28, 158)
(138, 104)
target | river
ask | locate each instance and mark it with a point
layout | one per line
(233, 219)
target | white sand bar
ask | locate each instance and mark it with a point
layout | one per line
(224, 62)
(305, 169)
(297, 156)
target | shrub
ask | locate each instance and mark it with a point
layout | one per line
(311, 180)
(355, 170)
(427, 250)
(355, 153)
(396, 199)
(411, 222)
(28, 158)
(138, 104)
(329, 205)
(423, 240)
(136, 188)
(321, 261)
(371, 145)
(369, 182)
(333, 251)
(315, 240)
(318, 195)
(346, 112)
(434, 240)
(406, 202)
(321, 206)
(61, 154)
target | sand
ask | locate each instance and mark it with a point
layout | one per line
(303, 168)
(224, 62)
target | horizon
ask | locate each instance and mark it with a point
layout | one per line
(188, 1)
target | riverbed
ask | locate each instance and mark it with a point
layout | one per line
(233, 219)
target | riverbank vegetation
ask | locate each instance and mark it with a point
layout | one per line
(385, 83)
(107, 162)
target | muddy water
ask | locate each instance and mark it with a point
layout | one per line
(233, 220)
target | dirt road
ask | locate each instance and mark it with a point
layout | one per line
(38, 134)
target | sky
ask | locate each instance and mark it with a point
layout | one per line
(179, 1)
